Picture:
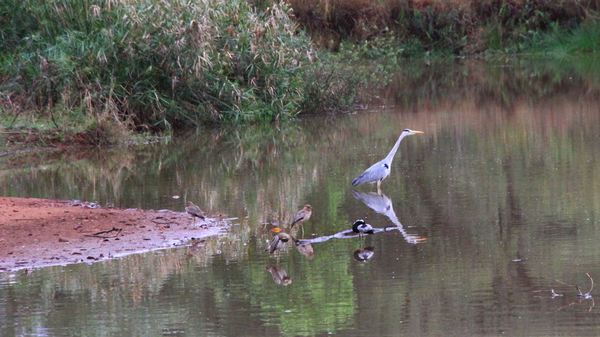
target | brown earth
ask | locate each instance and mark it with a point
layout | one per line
(42, 232)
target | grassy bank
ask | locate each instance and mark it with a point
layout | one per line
(105, 66)
(417, 28)
(96, 71)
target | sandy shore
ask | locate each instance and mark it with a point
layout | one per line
(41, 232)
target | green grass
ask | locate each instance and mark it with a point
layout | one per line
(106, 68)
(146, 64)
(563, 43)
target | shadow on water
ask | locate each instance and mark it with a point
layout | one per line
(504, 186)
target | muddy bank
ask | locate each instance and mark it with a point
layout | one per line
(41, 232)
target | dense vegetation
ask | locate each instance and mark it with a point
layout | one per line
(447, 27)
(104, 68)
(150, 63)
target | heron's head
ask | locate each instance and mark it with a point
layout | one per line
(409, 132)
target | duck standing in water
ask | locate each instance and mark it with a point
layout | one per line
(361, 227)
(279, 241)
(302, 216)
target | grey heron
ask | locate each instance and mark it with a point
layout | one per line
(381, 169)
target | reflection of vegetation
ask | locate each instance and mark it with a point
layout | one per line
(69, 175)
(490, 85)
(198, 292)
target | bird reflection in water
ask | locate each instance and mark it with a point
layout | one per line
(305, 248)
(364, 254)
(279, 275)
(195, 248)
(378, 202)
(381, 204)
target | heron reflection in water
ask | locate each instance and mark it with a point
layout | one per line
(381, 204)
(380, 170)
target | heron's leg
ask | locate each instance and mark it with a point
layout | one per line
(379, 187)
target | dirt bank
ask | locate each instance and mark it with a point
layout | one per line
(42, 232)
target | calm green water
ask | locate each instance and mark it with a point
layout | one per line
(498, 200)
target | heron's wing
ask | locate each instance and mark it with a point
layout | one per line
(374, 173)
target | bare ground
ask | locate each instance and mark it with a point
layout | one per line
(41, 232)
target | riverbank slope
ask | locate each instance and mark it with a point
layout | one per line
(43, 232)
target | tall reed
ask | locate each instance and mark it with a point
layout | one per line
(152, 64)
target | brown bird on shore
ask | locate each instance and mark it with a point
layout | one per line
(279, 241)
(194, 211)
(302, 216)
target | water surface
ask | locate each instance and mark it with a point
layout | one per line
(492, 206)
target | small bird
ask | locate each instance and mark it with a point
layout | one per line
(302, 216)
(361, 227)
(381, 169)
(279, 241)
(194, 211)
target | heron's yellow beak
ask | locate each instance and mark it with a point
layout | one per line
(413, 131)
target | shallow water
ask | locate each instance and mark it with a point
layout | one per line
(493, 208)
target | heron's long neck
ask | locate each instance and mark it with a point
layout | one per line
(392, 153)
